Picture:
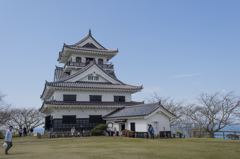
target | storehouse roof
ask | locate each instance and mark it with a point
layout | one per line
(137, 110)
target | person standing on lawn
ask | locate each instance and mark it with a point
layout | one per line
(149, 134)
(81, 130)
(24, 131)
(31, 131)
(8, 139)
(20, 132)
(73, 131)
(151, 130)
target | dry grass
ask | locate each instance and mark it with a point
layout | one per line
(68, 148)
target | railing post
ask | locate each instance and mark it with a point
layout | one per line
(223, 135)
(110, 133)
(135, 135)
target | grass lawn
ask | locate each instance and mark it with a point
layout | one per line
(98, 147)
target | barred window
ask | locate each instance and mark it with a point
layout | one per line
(119, 98)
(69, 97)
(78, 59)
(95, 119)
(90, 78)
(100, 61)
(95, 98)
(69, 120)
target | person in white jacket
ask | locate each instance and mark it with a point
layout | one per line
(73, 131)
(8, 139)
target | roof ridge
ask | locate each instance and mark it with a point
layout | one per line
(86, 68)
(88, 36)
(143, 105)
(90, 49)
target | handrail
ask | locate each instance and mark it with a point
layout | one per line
(83, 64)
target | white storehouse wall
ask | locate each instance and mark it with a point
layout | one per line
(162, 120)
(140, 125)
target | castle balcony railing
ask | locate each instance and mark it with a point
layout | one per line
(82, 64)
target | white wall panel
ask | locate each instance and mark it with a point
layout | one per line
(84, 95)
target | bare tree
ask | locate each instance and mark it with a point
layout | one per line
(4, 107)
(25, 117)
(189, 126)
(170, 105)
(215, 111)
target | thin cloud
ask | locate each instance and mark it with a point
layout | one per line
(187, 75)
(223, 91)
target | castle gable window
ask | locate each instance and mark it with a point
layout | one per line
(119, 98)
(90, 78)
(95, 98)
(93, 78)
(69, 97)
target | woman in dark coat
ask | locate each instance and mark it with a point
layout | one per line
(20, 132)
(24, 131)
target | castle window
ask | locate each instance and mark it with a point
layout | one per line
(91, 78)
(69, 97)
(69, 120)
(78, 59)
(119, 98)
(95, 119)
(100, 61)
(95, 98)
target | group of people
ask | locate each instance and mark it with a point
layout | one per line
(23, 132)
(73, 131)
(150, 131)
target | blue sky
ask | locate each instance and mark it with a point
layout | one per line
(176, 48)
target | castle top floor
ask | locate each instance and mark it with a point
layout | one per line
(86, 50)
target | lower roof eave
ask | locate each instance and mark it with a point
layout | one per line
(48, 88)
(81, 106)
(47, 93)
(126, 117)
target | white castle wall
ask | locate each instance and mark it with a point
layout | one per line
(84, 95)
(80, 113)
(84, 56)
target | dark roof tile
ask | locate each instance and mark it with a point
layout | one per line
(137, 110)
